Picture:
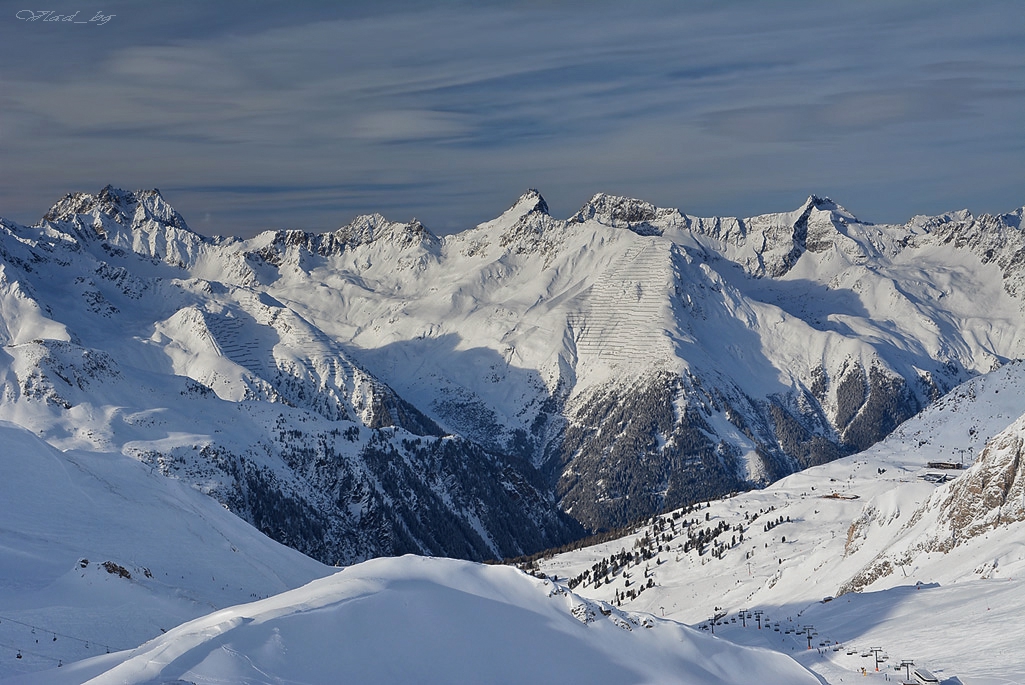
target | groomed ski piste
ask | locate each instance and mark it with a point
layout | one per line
(876, 550)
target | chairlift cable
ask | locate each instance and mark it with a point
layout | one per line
(55, 633)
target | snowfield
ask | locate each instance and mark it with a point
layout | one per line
(414, 619)
(102, 552)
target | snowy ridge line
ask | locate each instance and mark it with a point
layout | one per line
(417, 619)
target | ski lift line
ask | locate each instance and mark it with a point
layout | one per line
(57, 634)
(21, 651)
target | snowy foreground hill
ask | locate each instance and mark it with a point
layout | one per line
(380, 390)
(99, 553)
(928, 571)
(413, 619)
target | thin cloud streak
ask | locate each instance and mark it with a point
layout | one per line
(448, 112)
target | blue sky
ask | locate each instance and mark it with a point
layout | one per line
(257, 115)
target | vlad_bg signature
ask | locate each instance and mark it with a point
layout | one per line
(49, 15)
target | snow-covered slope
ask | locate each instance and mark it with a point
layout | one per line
(927, 570)
(645, 358)
(381, 390)
(151, 543)
(99, 551)
(109, 572)
(114, 341)
(420, 620)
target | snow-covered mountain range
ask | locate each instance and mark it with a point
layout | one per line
(99, 552)
(381, 390)
(116, 339)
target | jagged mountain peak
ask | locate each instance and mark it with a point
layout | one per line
(530, 201)
(370, 228)
(822, 202)
(931, 222)
(1013, 219)
(138, 221)
(124, 207)
(640, 216)
(529, 206)
(525, 223)
(960, 215)
(771, 244)
(364, 230)
(365, 223)
(825, 204)
(615, 210)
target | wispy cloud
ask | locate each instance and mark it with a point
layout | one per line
(449, 110)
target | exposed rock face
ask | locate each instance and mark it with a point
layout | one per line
(988, 496)
(992, 492)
